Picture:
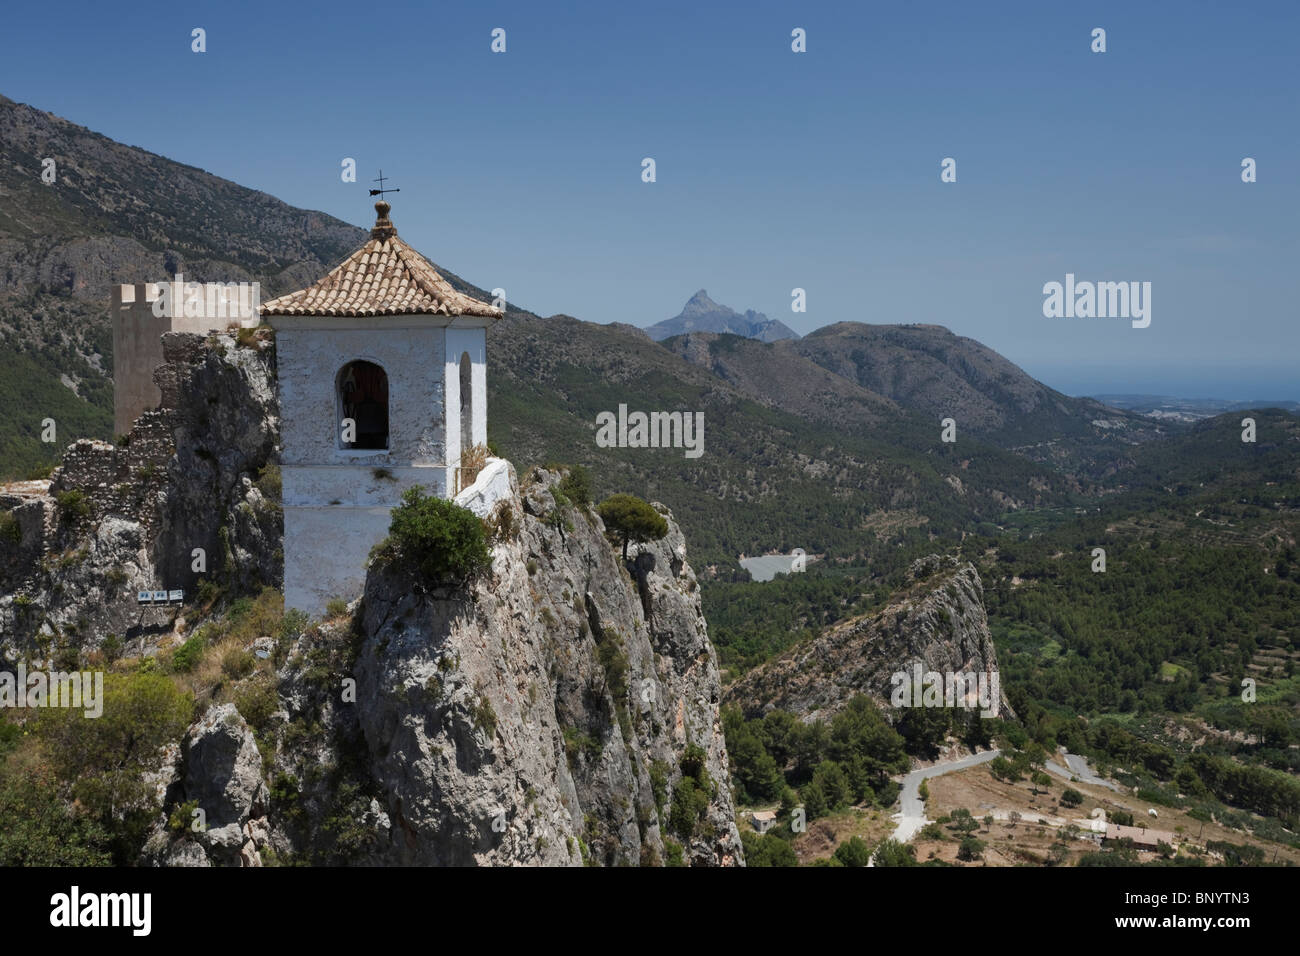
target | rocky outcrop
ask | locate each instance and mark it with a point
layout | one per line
(219, 793)
(546, 714)
(937, 622)
(543, 716)
(180, 498)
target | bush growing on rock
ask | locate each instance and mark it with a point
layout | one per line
(442, 541)
(73, 504)
(576, 486)
(10, 530)
(690, 804)
(101, 763)
(37, 827)
(187, 655)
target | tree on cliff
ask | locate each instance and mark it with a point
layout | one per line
(629, 518)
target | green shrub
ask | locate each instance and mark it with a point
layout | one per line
(767, 850)
(576, 486)
(673, 855)
(336, 607)
(853, 852)
(73, 504)
(207, 592)
(1071, 797)
(485, 717)
(970, 849)
(105, 760)
(257, 701)
(269, 482)
(182, 816)
(38, 828)
(933, 831)
(659, 770)
(892, 853)
(442, 541)
(111, 648)
(237, 662)
(10, 530)
(690, 803)
(187, 655)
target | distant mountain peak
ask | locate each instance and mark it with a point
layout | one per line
(702, 314)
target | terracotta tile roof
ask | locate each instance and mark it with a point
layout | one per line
(383, 277)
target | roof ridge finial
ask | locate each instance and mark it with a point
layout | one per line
(384, 228)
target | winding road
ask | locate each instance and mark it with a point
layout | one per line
(911, 816)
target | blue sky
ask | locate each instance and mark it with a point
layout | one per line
(775, 170)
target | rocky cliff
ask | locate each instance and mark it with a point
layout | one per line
(938, 621)
(563, 708)
(176, 501)
(546, 714)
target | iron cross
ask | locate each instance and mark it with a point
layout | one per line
(381, 190)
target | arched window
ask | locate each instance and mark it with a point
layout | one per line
(466, 404)
(363, 398)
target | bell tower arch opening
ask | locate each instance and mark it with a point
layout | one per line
(362, 400)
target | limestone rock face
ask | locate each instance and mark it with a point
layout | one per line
(531, 719)
(543, 715)
(174, 501)
(223, 768)
(938, 622)
(219, 772)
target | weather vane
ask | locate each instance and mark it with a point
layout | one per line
(381, 190)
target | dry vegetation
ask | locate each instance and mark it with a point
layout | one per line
(1012, 842)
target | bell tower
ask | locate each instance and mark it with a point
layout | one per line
(382, 371)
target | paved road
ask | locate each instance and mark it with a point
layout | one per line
(911, 816)
(1078, 767)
